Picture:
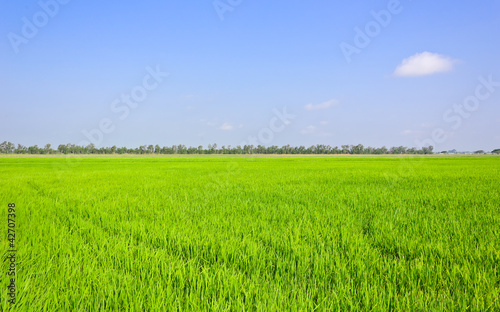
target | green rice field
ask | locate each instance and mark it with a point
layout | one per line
(217, 233)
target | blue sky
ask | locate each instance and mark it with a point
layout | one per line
(413, 73)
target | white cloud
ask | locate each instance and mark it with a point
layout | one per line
(226, 127)
(323, 123)
(422, 64)
(313, 130)
(323, 105)
(308, 130)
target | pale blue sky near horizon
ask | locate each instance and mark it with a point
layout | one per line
(227, 77)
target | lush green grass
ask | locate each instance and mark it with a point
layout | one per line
(265, 234)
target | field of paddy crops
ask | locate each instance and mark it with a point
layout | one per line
(214, 233)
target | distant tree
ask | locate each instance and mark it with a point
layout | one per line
(10, 147)
(397, 150)
(358, 149)
(34, 149)
(47, 149)
(496, 151)
(7, 147)
(381, 150)
(21, 149)
(479, 152)
(182, 149)
(260, 149)
(427, 150)
(345, 149)
(336, 150)
(62, 148)
(90, 148)
(287, 149)
(369, 150)
(121, 150)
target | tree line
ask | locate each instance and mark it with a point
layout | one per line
(11, 148)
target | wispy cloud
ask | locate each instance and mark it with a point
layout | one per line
(226, 127)
(308, 130)
(323, 105)
(423, 64)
